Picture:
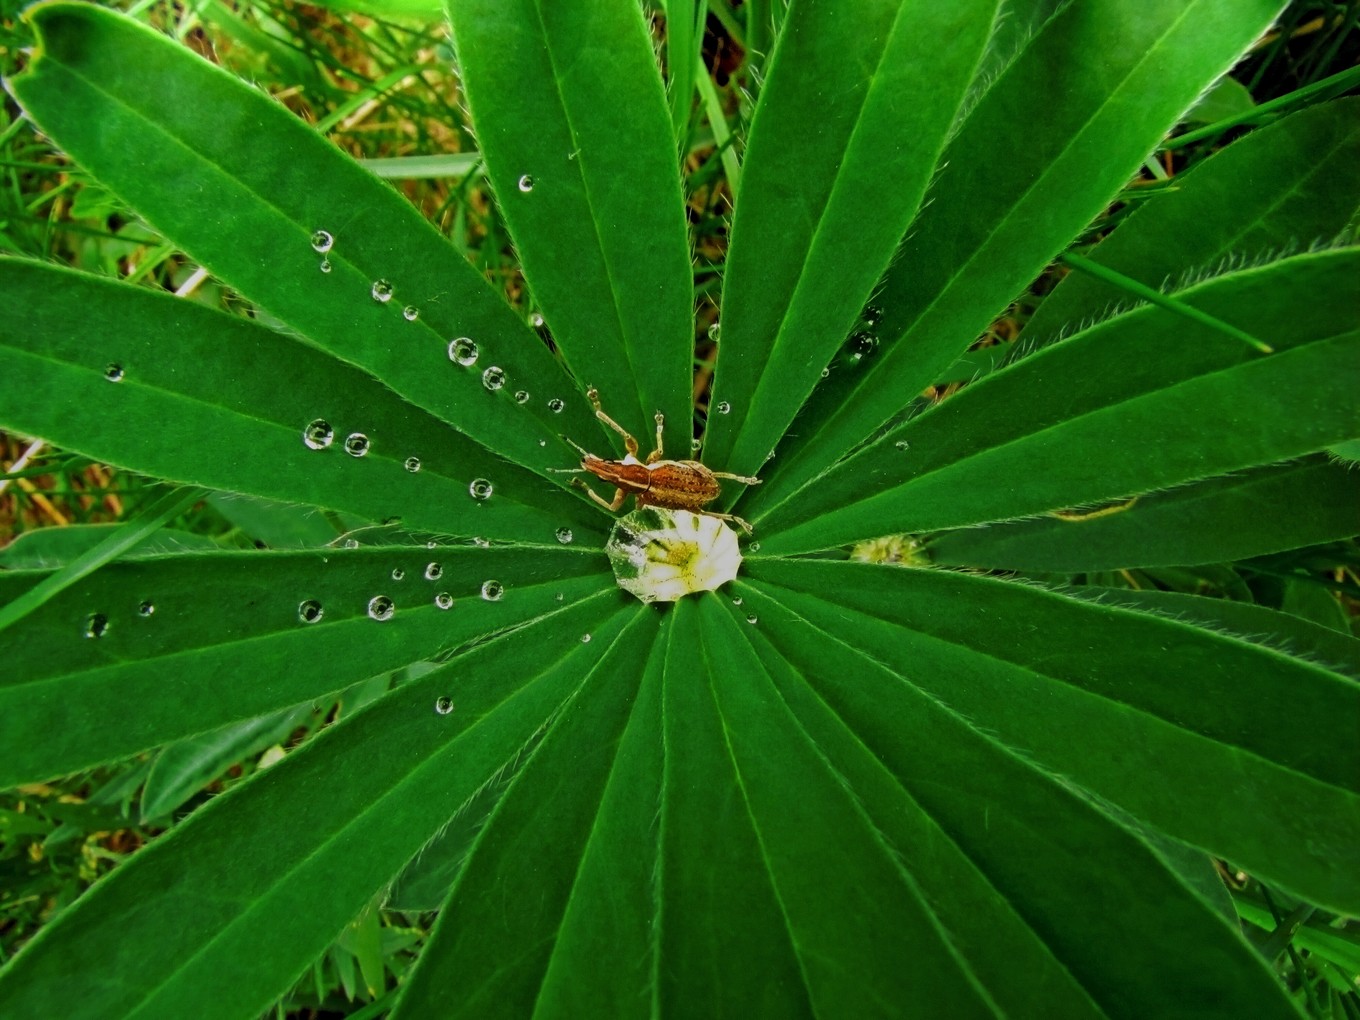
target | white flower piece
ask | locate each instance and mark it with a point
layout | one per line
(662, 555)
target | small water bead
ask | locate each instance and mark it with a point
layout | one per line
(146, 608)
(695, 445)
(433, 571)
(324, 265)
(826, 373)
(310, 611)
(480, 489)
(444, 600)
(318, 434)
(322, 241)
(521, 396)
(443, 706)
(585, 639)
(861, 344)
(542, 442)
(526, 184)
(536, 320)
(398, 573)
(463, 351)
(715, 332)
(410, 313)
(114, 373)
(412, 464)
(381, 608)
(492, 591)
(559, 596)
(556, 404)
(565, 536)
(493, 378)
(431, 544)
(752, 619)
(723, 407)
(736, 600)
(356, 444)
(351, 543)
(96, 625)
(481, 543)
(902, 444)
(381, 291)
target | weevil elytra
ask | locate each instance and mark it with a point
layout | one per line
(673, 484)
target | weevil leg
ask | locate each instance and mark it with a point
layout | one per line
(659, 452)
(747, 479)
(619, 496)
(743, 525)
(629, 443)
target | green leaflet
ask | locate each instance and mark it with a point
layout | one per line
(224, 623)
(1090, 692)
(572, 121)
(1144, 401)
(111, 92)
(1265, 510)
(826, 201)
(1043, 151)
(218, 426)
(1281, 188)
(227, 882)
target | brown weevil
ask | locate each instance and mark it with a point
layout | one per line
(673, 484)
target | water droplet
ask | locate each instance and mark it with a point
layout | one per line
(380, 608)
(755, 547)
(555, 405)
(492, 591)
(443, 706)
(324, 265)
(412, 464)
(146, 608)
(585, 639)
(542, 442)
(310, 611)
(431, 544)
(752, 619)
(565, 536)
(826, 372)
(723, 407)
(433, 571)
(356, 444)
(536, 320)
(463, 350)
(480, 489)
(322, 241)
(526, 184)
(521, 396)
(410, 313)
(96, 625)
(736, 600)
(559, 596)
(351, 543)
(318, 434)
(715, 332)
(493, 378)
(861, 344)
(114, 373)
(481, 543)
(381, 291)
(695, 445)
(444, 600)
(902, 444)
(398, 573)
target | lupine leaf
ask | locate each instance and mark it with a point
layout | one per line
(1072, 117)
(176, 627)
(1090, 692)
(572, 121)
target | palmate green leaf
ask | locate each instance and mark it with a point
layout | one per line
(257, 183)
(190, 643)
(325, 828)
(572, 121)
(1283, 187)
(828, 198)
(219, 426)
(1043, 151)
(1157, 715)
(1252, 513)
(1141, 402)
